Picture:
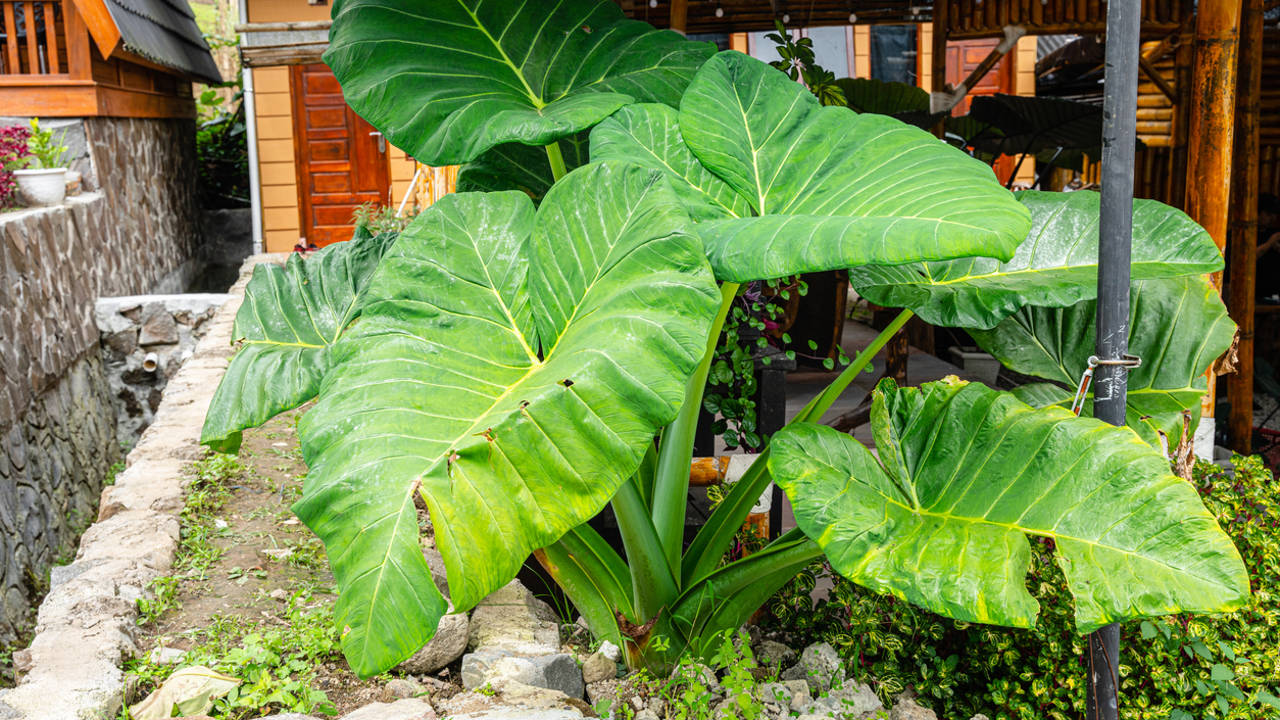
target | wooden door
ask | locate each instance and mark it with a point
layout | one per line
(963, 57)
(341, 159)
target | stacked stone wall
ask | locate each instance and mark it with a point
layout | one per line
(137, 232)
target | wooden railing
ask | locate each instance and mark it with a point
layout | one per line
(32, 38)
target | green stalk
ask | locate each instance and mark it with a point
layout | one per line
(652, 583)
(556, 159)
(817, 407)
(717, 535)
(671, 482)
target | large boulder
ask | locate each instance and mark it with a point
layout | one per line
(448, 644)
(516, 621)
(495, 668)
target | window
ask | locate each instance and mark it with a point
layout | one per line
(893, 53)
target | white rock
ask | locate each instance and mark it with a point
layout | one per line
(800, 696)
(906, 709)
(611, 651)
(852, 699)
(166, 656)
(400, 688)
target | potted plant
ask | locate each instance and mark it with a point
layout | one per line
(43, 181)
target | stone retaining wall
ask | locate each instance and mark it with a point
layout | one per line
(145, 341)
(138, 230)
(86, 625)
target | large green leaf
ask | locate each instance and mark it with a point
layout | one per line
(648, 134)
(831, 188)
(963, 473)
(1056, 266)
(907, 103)
(510, 368)
(1177, 326)
(289, 317)
(520, 167)
(447, 80)
(1032, 124)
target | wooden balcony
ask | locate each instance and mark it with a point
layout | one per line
(52, 65)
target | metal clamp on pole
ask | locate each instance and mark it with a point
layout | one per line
(1126, 361)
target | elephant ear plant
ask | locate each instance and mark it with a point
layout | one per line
(517, 368)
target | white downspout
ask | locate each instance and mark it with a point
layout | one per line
(251, 130)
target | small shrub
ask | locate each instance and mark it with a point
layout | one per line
(1221, 667)
(13, 153)
(378, 219)
(222, 150)
(45, 151)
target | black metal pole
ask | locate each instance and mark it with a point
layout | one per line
(1119, 128)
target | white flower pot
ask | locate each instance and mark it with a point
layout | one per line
(42, 187)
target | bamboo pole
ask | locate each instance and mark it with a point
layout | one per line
(1242, 250)
(1213, 103)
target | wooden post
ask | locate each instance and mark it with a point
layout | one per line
(679, 18)
(1242, 250)
(1213, 104)
(938, 73)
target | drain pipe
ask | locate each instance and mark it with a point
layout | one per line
(1115, 238)
(251, 132)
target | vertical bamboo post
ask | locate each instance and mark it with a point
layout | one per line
(1213, 104)
(1242, 249)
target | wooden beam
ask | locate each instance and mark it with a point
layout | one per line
(101, 27)
(1213, 103)
(60, 101)
(79, 62)
(11, 40)
(1153, 73)
(1242, 249)
(283, 26)
(33, 44)
(51, 38)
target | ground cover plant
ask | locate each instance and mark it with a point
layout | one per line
(1175, 668)
(519, 361)
(249, 595)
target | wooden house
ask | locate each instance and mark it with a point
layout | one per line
(101, 58)
(316, 160)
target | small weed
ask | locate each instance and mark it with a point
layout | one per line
(164, 597)
(277, 664)
(308, 553)
(112, 472)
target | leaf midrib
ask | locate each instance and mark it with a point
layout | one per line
(506, 59)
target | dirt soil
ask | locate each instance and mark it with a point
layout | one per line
(267, 555)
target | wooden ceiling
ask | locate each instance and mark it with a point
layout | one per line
(966, 18)
(754, 15)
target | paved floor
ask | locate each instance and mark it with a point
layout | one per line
(803, 385)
